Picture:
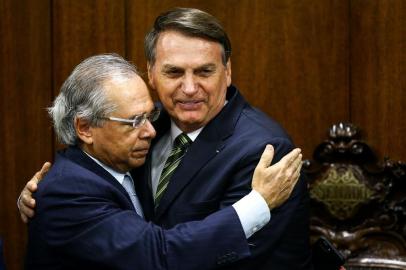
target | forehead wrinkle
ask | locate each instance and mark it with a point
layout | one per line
(171, 66)
(172, 45)
(208, 65)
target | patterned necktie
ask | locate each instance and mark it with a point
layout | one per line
(180, 145)
(128, 184)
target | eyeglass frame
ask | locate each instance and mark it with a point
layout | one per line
(142, 118)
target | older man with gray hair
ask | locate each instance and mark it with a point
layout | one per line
(88, 215)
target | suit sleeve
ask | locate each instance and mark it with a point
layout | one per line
(85, 225)
(287, 232)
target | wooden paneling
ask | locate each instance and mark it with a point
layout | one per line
(25, 135)
(378, 74)
(85, 28)
(290, 58)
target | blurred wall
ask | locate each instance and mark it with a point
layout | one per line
(307, 63)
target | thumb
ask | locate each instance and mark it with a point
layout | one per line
(40, 174)
(267, 156)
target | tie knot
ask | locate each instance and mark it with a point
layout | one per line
(182, 141)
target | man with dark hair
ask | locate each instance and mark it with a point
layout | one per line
(188, 54)
(88, 214)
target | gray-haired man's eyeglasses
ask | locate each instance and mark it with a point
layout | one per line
(138, 120)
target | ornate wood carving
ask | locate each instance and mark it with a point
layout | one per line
(358, 203)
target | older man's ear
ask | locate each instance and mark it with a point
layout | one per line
(83, 130)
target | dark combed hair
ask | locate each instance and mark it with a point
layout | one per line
(190, 22)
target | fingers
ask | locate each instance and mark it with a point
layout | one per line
(26, 211)
(32, 184)
(275, 183)
(292, 166)
(26, 200)
(292, 156)
(290, 163)
(295, 169)
(26, 203)
(297, 164)
(24, 218)
(40, 174)
(297, 172)
(295, 178)
(266, 157)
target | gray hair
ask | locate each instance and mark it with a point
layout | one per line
(190, 22)
(82, 95)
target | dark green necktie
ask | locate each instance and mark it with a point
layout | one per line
(180, 145)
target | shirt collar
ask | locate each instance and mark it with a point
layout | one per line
(175, 132)
(117, 175)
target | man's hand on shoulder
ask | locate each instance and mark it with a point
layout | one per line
(275, 183)
(25, 202)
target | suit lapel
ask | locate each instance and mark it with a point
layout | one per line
(198, 154)
(208, 144)
(76, 155)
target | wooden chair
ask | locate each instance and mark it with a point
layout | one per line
(358, 203)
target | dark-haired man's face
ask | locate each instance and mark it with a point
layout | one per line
(190, 78)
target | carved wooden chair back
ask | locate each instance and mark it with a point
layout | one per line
(358, 203)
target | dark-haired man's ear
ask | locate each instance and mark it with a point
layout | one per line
(150, 76)
(228, 72)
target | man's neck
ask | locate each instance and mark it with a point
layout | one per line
(175, 131)
(88, 151)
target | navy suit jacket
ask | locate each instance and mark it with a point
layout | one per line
(217, 171)
(85, 220)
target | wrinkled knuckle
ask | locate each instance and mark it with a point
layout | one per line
(23, 210)
(26, 200)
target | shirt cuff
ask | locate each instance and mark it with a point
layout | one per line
(253, 212)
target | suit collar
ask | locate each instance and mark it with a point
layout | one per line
(208, 144)
(175, 132)
(117, 175)
(76, 155)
